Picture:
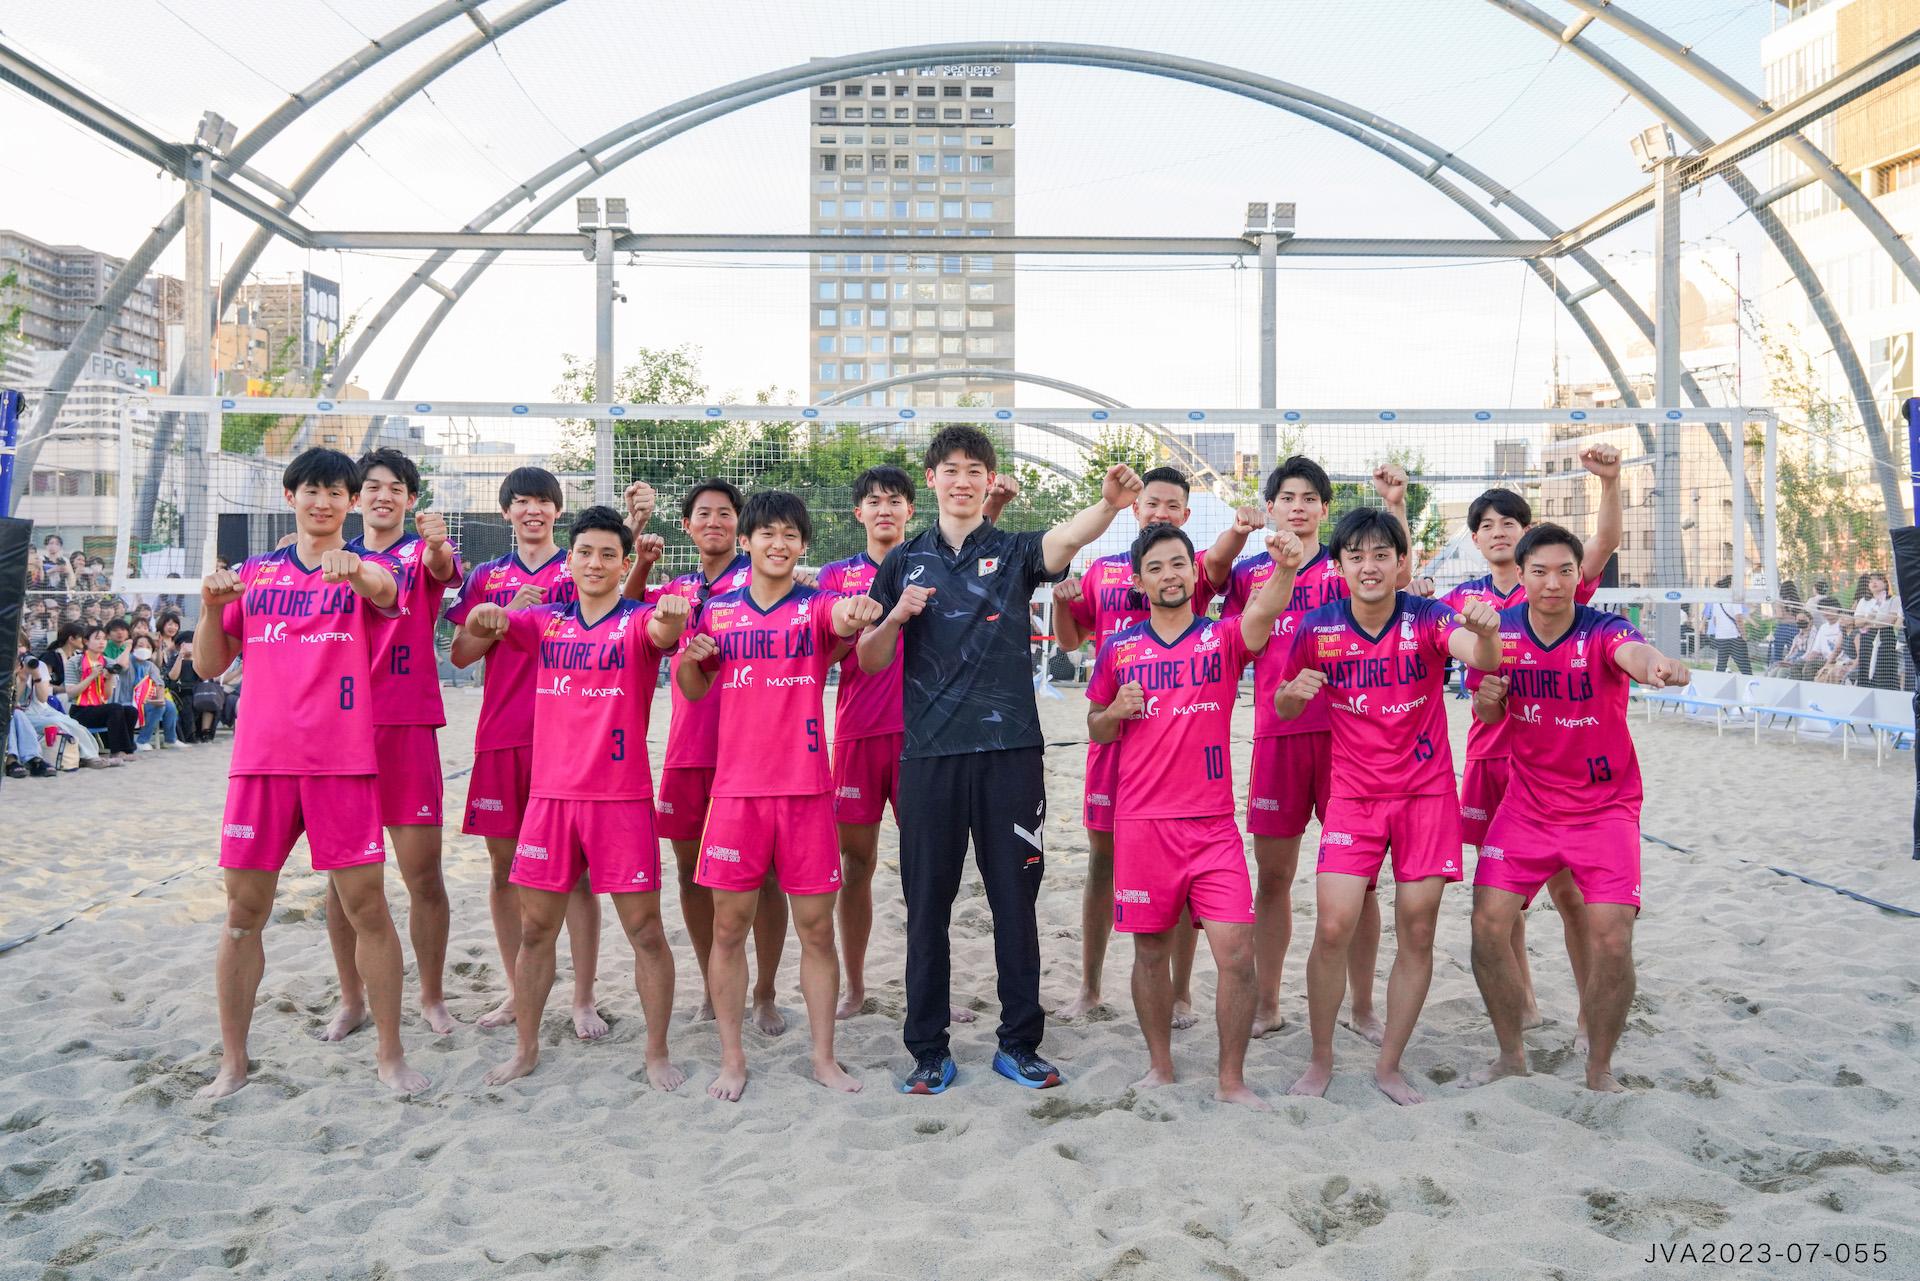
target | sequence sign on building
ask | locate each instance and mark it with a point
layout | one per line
(969, 71)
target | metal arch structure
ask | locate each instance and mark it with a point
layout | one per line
(1776, 232)
(1362, 126)
(1197, 467)
(141, 261)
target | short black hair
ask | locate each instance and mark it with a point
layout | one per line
(530, 482)
(1502, 502)
(1548, 535)
(711, 485)
(601, 517)
(91, 628)
(1167, 475)
(403, 468)
(322, 467)
(1298, 467)
(68, 631)
(882, 480)
(1365, 527)
(958, 438)
(771, 505)
(1152, 536)
(121, 623)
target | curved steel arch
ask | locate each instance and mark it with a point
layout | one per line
(141, 261)
(1776, 231)
(1197, 467)
(1330, 112)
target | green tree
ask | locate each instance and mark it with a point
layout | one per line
(1114, 445)
(667, 454)
(11, 315)
(245, 433)
(1425, 526)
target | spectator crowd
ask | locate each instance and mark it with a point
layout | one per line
(1814, 636)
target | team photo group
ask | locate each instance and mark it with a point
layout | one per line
(773, 809)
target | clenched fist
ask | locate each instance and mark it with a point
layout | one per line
(700, 647)
(1602, 460)
(338, 565)
(1066, 591)
(857, 612)
(487, 622)
(672, 606)
(1285, 549)
(640, 500)
(649, 548)
(219, 587)
(1131, 701)
(1390, 482)
(1120, 487)
(1668, 671)
(529, 595)
(1304, 686)
(912, 602)
(1491, 689)
(432, 527)
(1248, 520)
(1479, 617)
(1005, 488)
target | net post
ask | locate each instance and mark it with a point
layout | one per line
(1737, 465)
(603, 363)
(1770, 539)
(123, 502)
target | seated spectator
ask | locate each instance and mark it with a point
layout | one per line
(90, 685)
(151, 703)
(1790, 620)
(23, 741)
(33, 694)
(211, 702)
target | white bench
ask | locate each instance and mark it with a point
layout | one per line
(1806, 708)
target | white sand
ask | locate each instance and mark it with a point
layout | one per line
(1771, 1060)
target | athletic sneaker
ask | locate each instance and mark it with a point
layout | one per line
(1026, 1068)
(932, 1073)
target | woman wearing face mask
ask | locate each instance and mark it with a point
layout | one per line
(156, 709)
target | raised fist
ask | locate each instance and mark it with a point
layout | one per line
(1285, 549)
(487, 622)
(672, 606)
(432, 527)
(1131, 701)
(912, 602)
(1390, 482)
(700, 647)
(1602, 460)
(1121, 486)
(859, 611)
(649, 548)
(1668, 671)
(1248, 520)
(640, 504)
(529, 595)
(1005, 488)
(221, 586)
(338, 565)
(1305, 685)
(1066, 591)
(1479, 617)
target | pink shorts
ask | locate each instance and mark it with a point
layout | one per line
(1103, 780)
(1164, 865)
(1481, 787)
(680, 806)
(1292, 776)
(266, 813)
(409, 778)
(611, 841)
(1521, 854)
(497, 791)
(793, 835)
(866, 775)
(1422, 831)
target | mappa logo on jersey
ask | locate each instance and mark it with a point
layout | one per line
(610, 692)
(1397, 709)
(1576, 722)
(740, 679)
(320, 638)
(784, 682)
(1194, 709)
(272, 634)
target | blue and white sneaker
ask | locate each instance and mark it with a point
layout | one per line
(932, 1073)
(1026, 1068)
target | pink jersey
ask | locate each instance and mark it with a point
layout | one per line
(771, 675)
(1316, 583)
(693, 732)
(1385, 696)
(1108, 602)
(1486, 741)
(867, 705)
(406, 671)
(1174, 758)
(506, 705)
(1571, 756)
(306, 648)
(592, 695)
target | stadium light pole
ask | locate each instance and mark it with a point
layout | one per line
(1654, 149)
(214, 134)
(605, 294)
(1266, 224)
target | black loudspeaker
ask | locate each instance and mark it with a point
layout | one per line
(1906, 572)
(16, 544)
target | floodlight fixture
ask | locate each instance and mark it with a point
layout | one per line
(617, 213)
(1651, 146)
(586, 212)
(214, 132)
(1256, 216)
(1283, 216)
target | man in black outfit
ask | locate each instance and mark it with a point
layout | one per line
(958, 593)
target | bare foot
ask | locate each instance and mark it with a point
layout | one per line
(1080, 1006)
(1580, 1044)
(513, 1069)
(663, 1075)
(835, 1077)
(400, 1078)
(766, 1016)
(1397, 1088)
(729, 1085)
(1154, 1079)
(1313, 1082)
(437, 1017)
(1603, 1082)
(1243, 1096)
(347, 1020)
(1366, 1026)
(702, 1013)
(853, 1001)
(1183, 1015)
(960, 1014)
(500, 1015)
(587, 1023)
(224, 1082)
(1498, 1070)
(1531, 1018)
(1267, 1022)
